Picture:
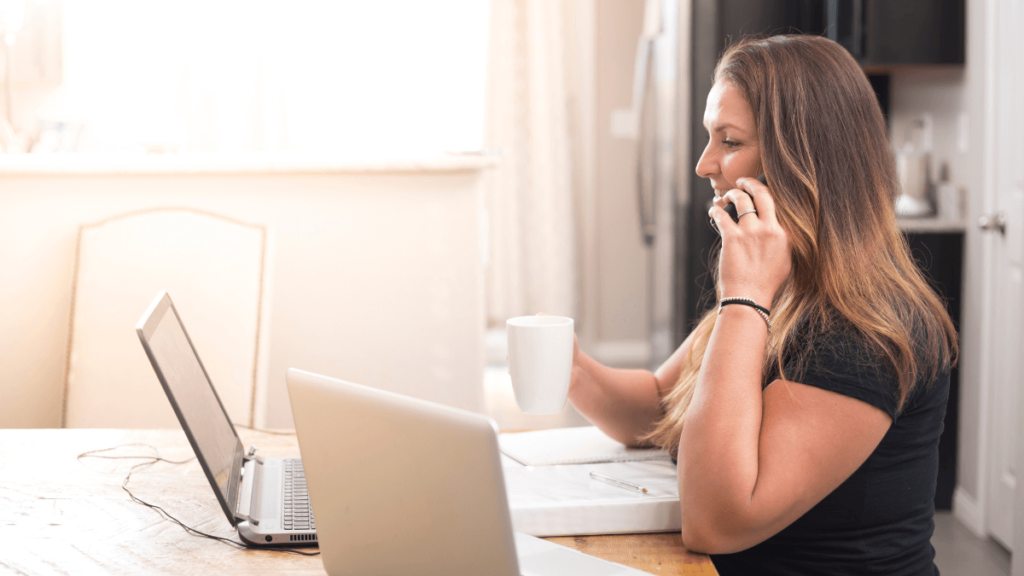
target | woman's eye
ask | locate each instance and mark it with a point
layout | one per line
(730, 143)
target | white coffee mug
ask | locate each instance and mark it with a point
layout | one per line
(540, 361)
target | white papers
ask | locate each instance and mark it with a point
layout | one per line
(584, 445)
(551, 493)
(565, 500)
(556, 485)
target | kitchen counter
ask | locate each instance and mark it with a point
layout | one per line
(931, 226)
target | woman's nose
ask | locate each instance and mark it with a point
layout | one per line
(706, 166)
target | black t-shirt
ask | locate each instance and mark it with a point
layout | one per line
(880, 520)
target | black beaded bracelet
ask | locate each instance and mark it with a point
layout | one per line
(746, 302)
(761, 310)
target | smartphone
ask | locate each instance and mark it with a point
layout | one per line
(730, 208)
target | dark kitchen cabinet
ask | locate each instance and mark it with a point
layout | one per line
(879, 33)
(883, 33)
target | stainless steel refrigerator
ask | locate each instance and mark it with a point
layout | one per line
(658, 84)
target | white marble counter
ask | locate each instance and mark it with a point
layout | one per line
(247, 163)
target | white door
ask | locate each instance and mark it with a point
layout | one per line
(1005, 224)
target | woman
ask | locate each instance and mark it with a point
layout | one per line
(806, 439)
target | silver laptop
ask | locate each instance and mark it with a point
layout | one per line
(405, 486)
(265, 499)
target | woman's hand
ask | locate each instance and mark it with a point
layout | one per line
(578, 374)
(756, 257)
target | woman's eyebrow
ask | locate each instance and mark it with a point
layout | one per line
(722, 126)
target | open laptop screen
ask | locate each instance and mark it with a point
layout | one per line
(193, 397)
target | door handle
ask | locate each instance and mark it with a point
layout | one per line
(642, 69)
(644, 193)
(996, 222)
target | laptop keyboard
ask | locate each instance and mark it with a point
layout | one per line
(298, 514)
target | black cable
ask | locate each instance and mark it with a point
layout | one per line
(155, 459)
(188, 529)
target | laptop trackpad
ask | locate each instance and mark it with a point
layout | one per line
(542, 558)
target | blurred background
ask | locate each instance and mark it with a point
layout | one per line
(370, 189)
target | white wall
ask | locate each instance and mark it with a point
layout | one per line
(377, 272)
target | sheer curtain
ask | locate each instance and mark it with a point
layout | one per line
(533, 120)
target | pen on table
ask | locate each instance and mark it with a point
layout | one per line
(617, 482)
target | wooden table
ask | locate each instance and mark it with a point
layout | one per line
(60, 515)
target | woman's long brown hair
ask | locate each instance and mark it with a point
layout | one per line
(825, 152)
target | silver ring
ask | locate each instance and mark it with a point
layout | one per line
(745, 212)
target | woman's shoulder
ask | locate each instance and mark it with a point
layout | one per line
(831, 341)
(840, 358)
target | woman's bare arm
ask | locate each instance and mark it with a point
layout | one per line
(752, 462)
(625, 404)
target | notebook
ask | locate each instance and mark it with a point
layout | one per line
(565, 500)
(582, 445)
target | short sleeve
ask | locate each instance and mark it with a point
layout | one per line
(844, 364)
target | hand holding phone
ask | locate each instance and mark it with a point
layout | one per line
(730, 208)
(755, 257)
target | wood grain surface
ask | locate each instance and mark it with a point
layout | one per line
(62, 515)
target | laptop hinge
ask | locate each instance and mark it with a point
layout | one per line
(258, 460)
(246, 518)
(252, 456)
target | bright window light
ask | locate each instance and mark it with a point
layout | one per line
(375, 77)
